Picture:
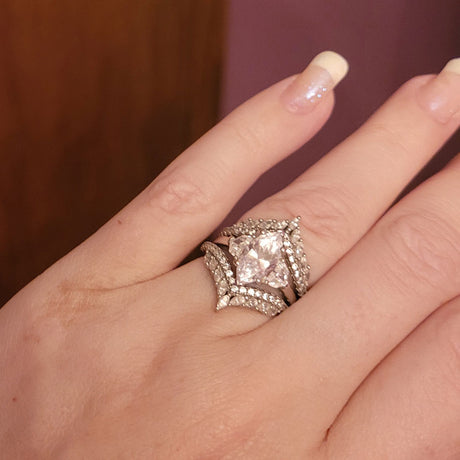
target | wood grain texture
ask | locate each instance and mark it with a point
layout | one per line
(96, 97)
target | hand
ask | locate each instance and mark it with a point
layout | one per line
(114, 352)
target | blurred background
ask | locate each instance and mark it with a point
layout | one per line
(97, 97)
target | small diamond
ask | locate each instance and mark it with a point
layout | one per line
(223, 301)
(237, 300)
(266, 225)
(212, 263)
(295, 236)
(280, 224)
(265, 307)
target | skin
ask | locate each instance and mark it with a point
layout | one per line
(114, 352)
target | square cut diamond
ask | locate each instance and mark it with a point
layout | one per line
(259, 259)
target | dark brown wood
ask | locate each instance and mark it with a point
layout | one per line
(96, 97)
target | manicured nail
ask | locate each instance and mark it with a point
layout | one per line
(441, 95)
(323, 73)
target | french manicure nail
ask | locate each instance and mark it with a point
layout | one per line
(441, 95)
(323, 73)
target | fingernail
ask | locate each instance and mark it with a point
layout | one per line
(323, 73)
(441, 95)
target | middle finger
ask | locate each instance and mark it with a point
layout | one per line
(342, 196)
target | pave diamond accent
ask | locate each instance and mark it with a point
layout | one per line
(259, 259)
(229, 293)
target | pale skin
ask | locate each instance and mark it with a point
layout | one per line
(114, 352)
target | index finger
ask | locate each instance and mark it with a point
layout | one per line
(191, 197)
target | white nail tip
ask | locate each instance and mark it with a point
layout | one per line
(334, 63)
(453, 66)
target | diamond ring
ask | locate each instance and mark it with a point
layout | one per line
(263, 265)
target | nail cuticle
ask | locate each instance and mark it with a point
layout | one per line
(438, 97)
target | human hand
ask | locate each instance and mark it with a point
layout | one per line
(114, 352)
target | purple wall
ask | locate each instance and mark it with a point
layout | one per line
(386, 42)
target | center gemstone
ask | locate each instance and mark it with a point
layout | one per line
(259, 259)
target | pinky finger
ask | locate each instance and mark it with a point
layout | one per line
(409, 407)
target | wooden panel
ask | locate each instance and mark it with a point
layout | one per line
(96, 97)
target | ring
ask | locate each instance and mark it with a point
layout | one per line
(263, 266)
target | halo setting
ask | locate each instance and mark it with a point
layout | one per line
(262, 261)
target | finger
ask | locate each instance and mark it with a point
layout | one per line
(188, 200)
(409, 407)
(397, 275)
(341, 196)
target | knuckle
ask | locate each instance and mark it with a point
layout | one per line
(326, 213)
(384, 130)
(249, 136)
(178, 193)
(388, 139)
(423, 247)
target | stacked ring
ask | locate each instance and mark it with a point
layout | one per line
(262, 266)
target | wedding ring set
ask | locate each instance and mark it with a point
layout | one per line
(262, 266)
